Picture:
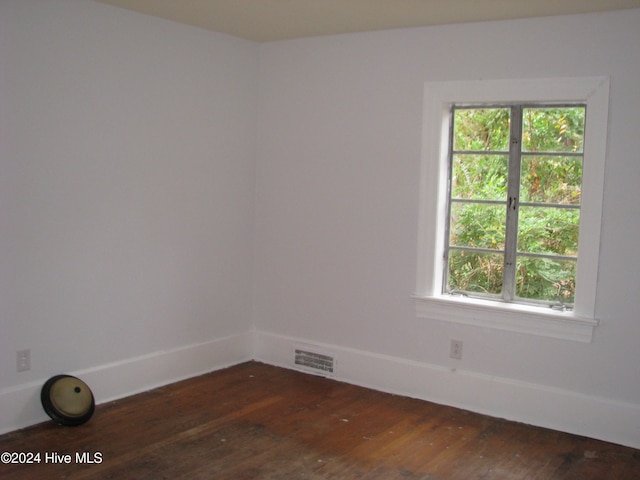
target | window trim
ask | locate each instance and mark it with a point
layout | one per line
(577, 324)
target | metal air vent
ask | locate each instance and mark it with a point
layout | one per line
(314, 361)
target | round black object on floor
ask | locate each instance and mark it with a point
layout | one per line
(67, 400)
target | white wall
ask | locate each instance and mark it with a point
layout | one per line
(127, 149)
(336, 230)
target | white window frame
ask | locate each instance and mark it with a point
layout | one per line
(577, 324)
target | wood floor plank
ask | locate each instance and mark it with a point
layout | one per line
(255, 421)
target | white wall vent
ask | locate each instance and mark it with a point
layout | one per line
(313, 361)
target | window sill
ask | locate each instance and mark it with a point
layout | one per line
(511, 317)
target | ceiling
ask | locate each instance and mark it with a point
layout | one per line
(269, 20)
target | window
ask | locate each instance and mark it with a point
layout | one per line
(514, 189)
(511, 203)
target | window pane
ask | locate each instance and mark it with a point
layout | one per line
(546, 279)
(548, 230)
(476, 129)
(551, 179)
(475, 272)
(553, 129)
(477, 225)
(480, 177)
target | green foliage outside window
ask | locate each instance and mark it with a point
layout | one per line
(550, 180)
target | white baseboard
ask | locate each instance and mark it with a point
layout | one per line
(20, 406)
(529, 403)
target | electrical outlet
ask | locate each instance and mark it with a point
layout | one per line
(23, 360)
(456, 349)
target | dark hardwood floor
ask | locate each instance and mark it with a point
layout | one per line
(254, 421)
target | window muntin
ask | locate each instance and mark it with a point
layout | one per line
(514, 187)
